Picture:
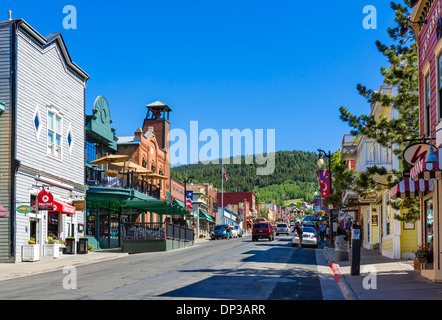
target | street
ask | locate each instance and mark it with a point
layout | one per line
(236, 269)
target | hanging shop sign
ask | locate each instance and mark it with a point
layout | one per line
(371, 197)
(416, 152)
(45, 200)
(24, 209)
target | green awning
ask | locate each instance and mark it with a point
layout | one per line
(205, 216)
(157, 206)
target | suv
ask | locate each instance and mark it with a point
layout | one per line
(263, 229)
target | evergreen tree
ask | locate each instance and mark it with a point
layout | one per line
(403, 74)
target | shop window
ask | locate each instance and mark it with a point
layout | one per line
(53, 223)
(429, 221)
(90, 224)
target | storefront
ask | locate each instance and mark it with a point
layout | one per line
(430, 213)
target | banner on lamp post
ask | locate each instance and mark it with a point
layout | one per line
(324, 183)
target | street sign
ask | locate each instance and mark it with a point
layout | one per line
(356, 234)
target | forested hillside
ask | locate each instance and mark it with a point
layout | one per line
(295, 177)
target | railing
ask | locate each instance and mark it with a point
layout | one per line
(127, 180)
(176, 232)
(156, 231)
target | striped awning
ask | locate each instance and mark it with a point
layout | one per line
(409, 188)
(427, 171)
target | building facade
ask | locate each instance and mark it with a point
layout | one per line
(427, 25)
(41, 137)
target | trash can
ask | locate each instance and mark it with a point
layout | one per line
(342, 248)
(70, 246)
(82, 246)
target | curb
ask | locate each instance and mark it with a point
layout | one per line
(340, 279)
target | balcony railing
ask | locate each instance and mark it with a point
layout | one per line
(99, 178)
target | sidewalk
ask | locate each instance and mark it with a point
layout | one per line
(47, 264)
(382, 277)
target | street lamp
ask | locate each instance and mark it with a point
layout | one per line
(432, 157)
(320, 164)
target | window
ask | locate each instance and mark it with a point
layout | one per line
(440, 86)
(54, 135)
(91, 151)
(427, 105)
(428, 221)
(37, 122)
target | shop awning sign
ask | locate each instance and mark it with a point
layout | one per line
(416, 152)
(45, 200)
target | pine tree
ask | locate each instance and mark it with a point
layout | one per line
(403, 74)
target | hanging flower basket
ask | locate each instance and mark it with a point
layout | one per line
(424, 253)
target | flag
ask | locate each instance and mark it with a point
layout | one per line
(324, 183)
(225, 174)
(189, 200)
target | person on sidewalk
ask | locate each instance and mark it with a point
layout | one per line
(228, 232)
(327, 234)
(347, 228)
(298, 229)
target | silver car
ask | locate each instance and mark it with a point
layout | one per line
(282, 228)
(309, 237)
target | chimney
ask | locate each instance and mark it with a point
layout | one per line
(10, 15)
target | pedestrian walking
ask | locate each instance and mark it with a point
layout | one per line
(322, 231)
(347, 228)
(327, 234)
(298, 229)
(228, 232)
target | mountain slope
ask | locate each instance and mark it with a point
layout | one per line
(295, 176)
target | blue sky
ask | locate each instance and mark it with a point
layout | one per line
(282, 64)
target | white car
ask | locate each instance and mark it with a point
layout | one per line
(309, 237)
(234, 233)
(282, 228)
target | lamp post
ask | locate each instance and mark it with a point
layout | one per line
(320, 164)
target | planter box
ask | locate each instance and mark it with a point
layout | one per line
(70, 246)
(52, 250)
(82, 246)
(30, 252)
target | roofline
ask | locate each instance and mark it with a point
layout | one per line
(26, 27)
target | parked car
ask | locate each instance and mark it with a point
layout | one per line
(263, 229)
(238, 231)
(219, 232)
(282, 228)
(309, 237)
(234, 233)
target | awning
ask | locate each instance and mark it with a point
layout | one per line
(3, 212)
(205, 216)
(427, 171)
(59, 207)
(409, 188)
(157, 206)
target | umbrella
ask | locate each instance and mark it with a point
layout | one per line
(132, 166)
(111, 159)
(157, 176)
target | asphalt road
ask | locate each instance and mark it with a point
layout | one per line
(236, 269)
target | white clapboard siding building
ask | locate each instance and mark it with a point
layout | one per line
(42, 134)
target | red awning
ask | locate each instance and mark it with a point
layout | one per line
(410, 189)
(3, 212)
(427, 171)
(61, 207)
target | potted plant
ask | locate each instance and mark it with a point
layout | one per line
(424, 253)
(69, 245)
(52, 248)
(31, 251)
